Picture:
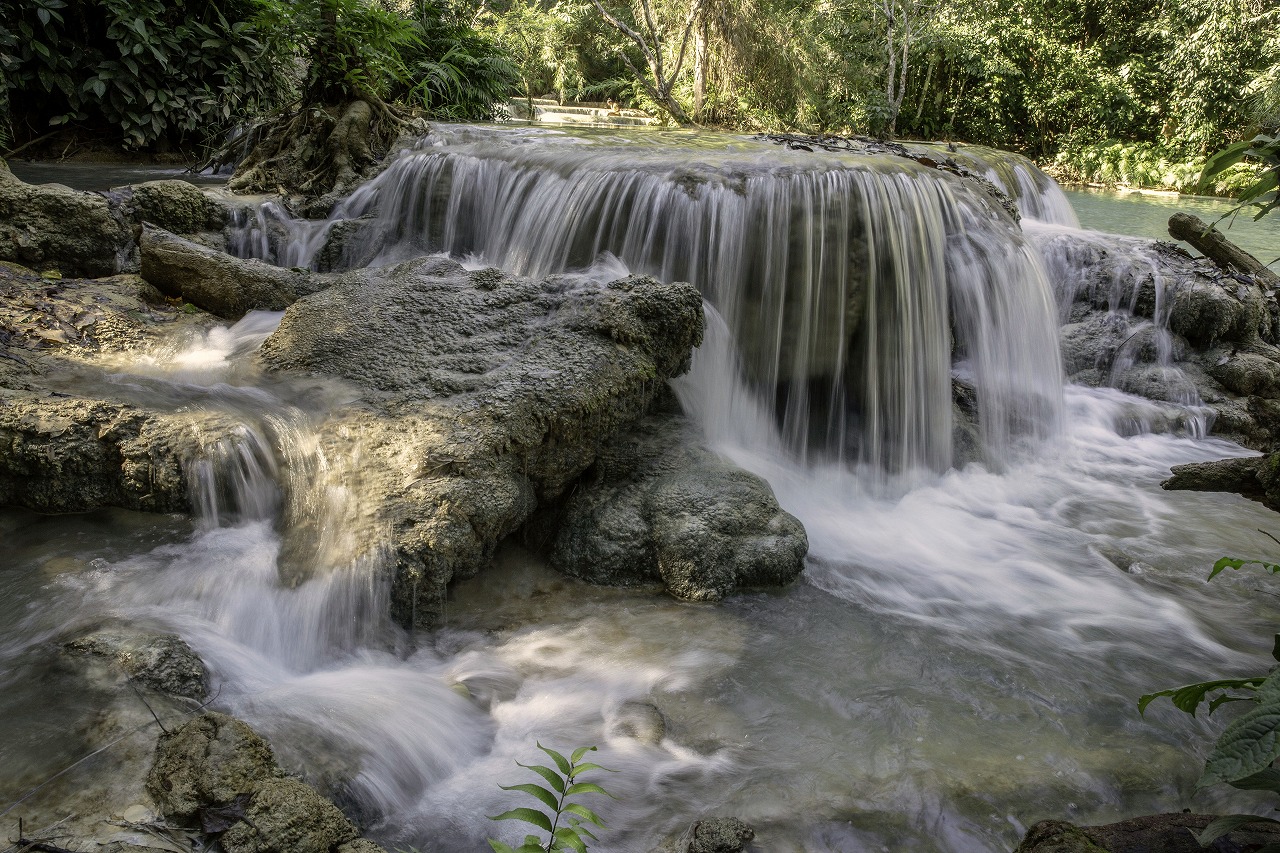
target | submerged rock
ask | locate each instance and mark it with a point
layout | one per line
(483, 395)
(1167, 833)
(659, 508)
(162, 662)
(216, 772)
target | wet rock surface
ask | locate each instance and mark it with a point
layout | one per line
(216, 773)
(62, 452)
(1147, 318)
(221, 284)
(1167, 833)
(720, 835)
(659, 508)
(162, 662)
(488, 395)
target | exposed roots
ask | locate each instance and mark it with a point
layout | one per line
(317, 152)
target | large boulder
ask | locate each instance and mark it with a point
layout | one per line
(483, 395)
(177, 206)
(216, 281)
(218, 774)
(658, 508)
(49, 227)
(52, 227)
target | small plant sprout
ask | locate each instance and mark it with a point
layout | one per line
(563, 820)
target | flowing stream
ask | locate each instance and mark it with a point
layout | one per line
(961, 657)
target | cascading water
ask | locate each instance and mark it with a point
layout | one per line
(849, 282)
(1118, 274)
(964, 652)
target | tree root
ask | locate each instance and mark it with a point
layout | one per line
(316, 152)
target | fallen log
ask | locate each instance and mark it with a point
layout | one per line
(1210, 242)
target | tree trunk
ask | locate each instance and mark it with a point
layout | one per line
(1211, 243)
(700, 68)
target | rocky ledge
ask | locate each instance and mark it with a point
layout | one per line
(478, 397)
(485, 396)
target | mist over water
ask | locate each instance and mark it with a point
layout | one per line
(963, 653)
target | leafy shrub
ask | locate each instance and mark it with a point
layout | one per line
(1149, 166)
(454, 71)
(176, 73)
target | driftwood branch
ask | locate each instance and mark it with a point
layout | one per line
(1211, 243)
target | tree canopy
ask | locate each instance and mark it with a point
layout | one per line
(1176, 78)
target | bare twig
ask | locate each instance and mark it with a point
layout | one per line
(27, 145)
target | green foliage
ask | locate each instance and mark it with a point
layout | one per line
(174, 72)
(1262, 193)
(1243, 755)
(1149, 166)
(456, 72)
(561, 818)
(350, 48)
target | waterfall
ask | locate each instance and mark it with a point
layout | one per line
(854, 285)
(1119, 280)
(1039, 197)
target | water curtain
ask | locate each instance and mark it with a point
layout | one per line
(858, 289)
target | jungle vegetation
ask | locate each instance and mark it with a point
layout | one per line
(1120, 90)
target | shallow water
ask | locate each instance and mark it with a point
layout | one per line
(100, 177)
(1147, 215)
(960, 658)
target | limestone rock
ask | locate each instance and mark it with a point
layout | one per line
(177, 206)
(162, 662)
(1057, 836)
(288, 816)
(52, 227)
(61, 453)
(209, 760)
(215, 281)
(483, 396)
(1147, 318)
(1249, 373)
(215, 770)
(68, 455)
(720, 835)
(1256, 478)
(662, 509)
(1167, 833)
(1208, 311)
